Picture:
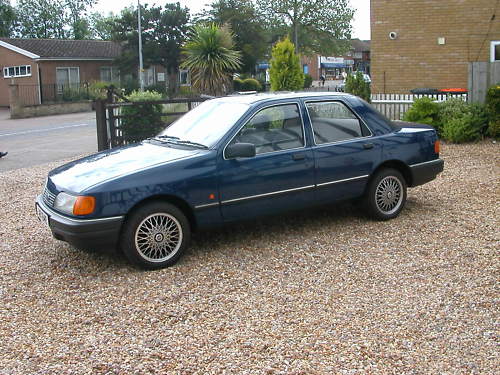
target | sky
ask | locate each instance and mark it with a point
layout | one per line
(361, 22)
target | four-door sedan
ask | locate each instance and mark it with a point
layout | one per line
(234, 158)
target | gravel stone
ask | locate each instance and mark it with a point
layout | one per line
(325, 291)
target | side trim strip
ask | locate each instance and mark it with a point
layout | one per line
(426, 162)
(268, 194)
(344, 180)
(207, 205)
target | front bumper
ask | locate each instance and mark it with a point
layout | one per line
(425, 172)
(82, 233)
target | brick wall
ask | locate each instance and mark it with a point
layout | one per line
(11, 58)
(415, 59)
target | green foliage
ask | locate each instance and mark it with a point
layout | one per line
(285, 72)
(423, 111)
(493, 109)
(251, 84)
(250, 36)
(211, 59)
(316, 26)
(237, 84)
(461, 122)
(356, 85)
(61, 19)
(308, 80)
(74, 94)
(142, 121)
(8, 19)
(160, 88)
(98, 90)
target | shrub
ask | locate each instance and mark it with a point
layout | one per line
(461, 122)
(424, 111)
(356, 85)
(285, 72)
(98, 90)
(251, 84)
(458, 129)
(308, 80)
(160, 88)
(142, 121)
(70, 94)
(493, 109)
(237, 84)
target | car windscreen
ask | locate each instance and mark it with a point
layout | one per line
(206, 123)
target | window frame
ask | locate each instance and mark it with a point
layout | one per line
(111, 70)
(188, 77)
(59, 86)
(493, 43)
(297, 103)
(343, 140)
(17, 68)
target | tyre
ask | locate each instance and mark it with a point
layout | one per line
(385, 196)
(155, 235)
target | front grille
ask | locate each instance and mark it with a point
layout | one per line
(48, 197)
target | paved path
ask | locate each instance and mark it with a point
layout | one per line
(40, 140)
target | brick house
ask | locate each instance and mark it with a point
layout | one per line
(429, 43)
(332, 67)
(44, 67)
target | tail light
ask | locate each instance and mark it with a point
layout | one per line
(437, 147)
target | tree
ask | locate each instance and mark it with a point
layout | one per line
(164, 31)
(321, 26)
(250, 37)
(356, 85)
(211, 59)
(7, 19)
(285, 72)
(102, 26)
(60, 19)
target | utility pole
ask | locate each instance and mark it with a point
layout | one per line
(141, 65)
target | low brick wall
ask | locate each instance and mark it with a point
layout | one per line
(17, 111)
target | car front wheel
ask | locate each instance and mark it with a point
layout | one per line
(155, 235)
(386, 194)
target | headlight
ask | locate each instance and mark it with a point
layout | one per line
(65, 203)
(74, 205)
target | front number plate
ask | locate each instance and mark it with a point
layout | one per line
(42, 216)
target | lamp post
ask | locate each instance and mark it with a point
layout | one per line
(141, 65)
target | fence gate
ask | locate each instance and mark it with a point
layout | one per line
(109, 116)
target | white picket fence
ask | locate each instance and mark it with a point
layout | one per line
(394, 106)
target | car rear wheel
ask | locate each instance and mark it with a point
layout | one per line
(386, 194)
(155, 235)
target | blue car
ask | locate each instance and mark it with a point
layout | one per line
(235, 158)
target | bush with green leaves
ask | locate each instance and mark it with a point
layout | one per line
(98, 90)
(160, 88)
(286, 71)
(237, 84)
(493, 109)
(461, 122)
(308, 80)
(143, 120)
(356, 85)
(424, 110)
(251, 84)
(75, 94)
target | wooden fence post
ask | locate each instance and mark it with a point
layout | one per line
(102, 131)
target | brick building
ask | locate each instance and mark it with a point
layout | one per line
(429, 43)
(44, 68)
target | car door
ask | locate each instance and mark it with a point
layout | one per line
(281, 174)
(344, 150)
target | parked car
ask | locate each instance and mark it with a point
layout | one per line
(236, 158)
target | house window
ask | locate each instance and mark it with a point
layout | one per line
(17, 71)
(495, 51)
(184, 79)
(110, 74)
(67, 78)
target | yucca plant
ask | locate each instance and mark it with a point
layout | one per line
(211, 59)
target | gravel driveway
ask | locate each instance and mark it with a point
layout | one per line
(320, 292)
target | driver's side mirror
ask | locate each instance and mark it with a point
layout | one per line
(240, 150)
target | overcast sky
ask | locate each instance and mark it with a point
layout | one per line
(361, 23)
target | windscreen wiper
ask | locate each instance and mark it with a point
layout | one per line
(195, 144)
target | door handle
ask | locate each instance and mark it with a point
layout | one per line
(298, 157)
(367, 146)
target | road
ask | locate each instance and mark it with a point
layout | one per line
(40, 140)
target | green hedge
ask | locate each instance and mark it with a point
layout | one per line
(493, 109)
(142, 121)
(356, 85)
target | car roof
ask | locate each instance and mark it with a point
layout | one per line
(259, 97)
